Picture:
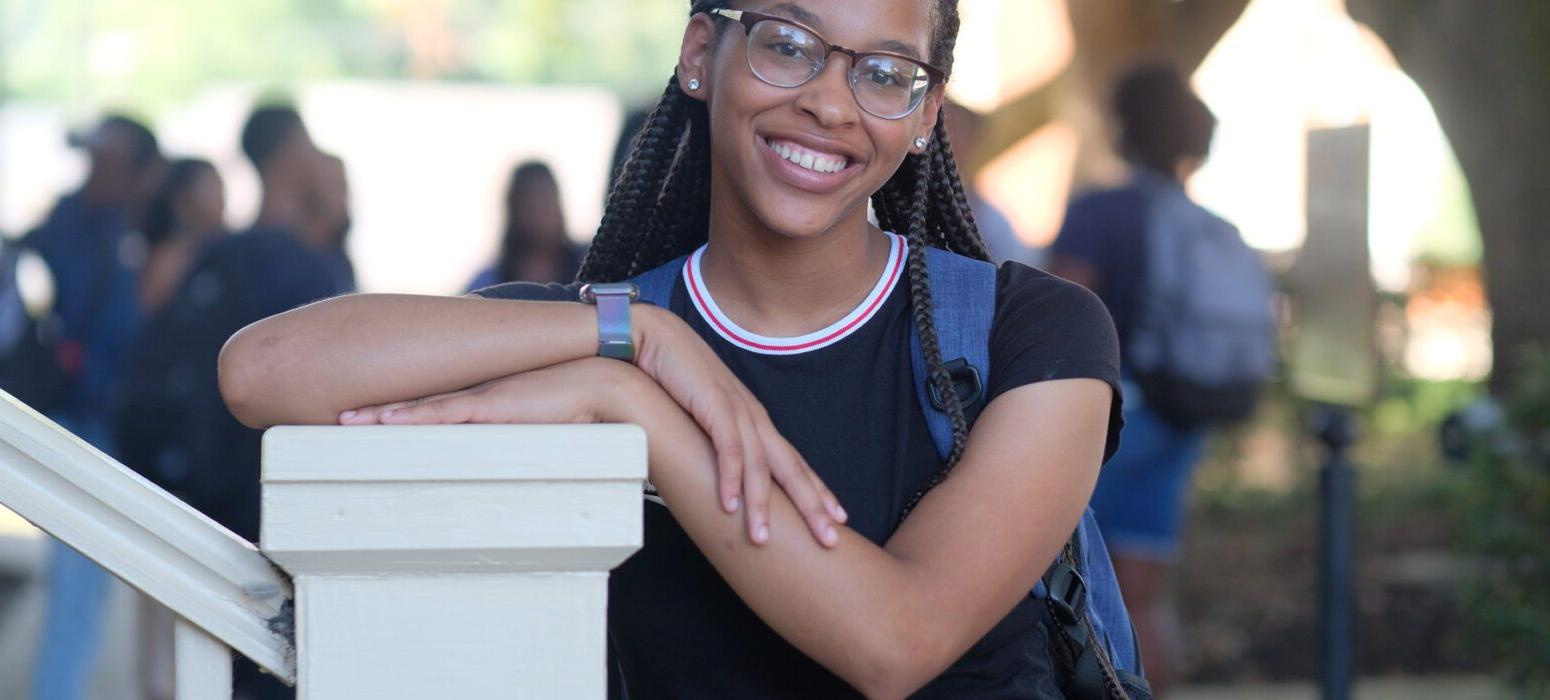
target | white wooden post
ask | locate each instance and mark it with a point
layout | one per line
(202, 664)
(452, 561)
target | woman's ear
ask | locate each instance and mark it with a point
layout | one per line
(930, 112)
(694, 56)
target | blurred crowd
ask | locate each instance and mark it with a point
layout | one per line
(148, 284)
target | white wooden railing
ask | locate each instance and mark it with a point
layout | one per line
(444, 561)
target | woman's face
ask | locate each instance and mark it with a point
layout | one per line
(753, 122)
(203, 204)
(537, 208)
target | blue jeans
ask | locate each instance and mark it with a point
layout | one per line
(1139, 500)
(77, 595)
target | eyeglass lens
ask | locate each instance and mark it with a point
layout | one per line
(785, 55)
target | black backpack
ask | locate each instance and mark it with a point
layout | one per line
(40, 363)
(171, 424)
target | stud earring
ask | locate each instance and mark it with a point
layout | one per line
(921, 142)
(694, 84)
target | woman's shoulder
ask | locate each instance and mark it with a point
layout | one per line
(1047, 327)
(1029, 292)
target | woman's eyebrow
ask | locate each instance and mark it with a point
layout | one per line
(797, 12)
(805, 16)
(899, 47)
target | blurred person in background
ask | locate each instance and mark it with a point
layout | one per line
(293, 254)
(328, 221)
(93, 256)
(963, 125)
(185, 214)
(535, 245)
(1165, 135)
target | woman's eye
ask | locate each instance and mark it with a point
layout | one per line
(886, 79)
(787, 49)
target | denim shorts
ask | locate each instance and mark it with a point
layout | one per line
(1139, 501)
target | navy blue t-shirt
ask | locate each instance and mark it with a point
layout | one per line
(845, 398)
(84, 247)
(174, 426)
(1105, 229)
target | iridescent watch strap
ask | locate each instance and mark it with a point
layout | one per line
(614, 336)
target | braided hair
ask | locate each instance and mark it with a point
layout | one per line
(659, 209)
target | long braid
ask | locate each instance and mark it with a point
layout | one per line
(962, 231)
(623, 233)
(683, 219)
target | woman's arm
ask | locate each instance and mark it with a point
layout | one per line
(308, 365)
(886, 619)
(890, 619)
(313, 364)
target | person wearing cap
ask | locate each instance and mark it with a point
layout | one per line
(93, 256)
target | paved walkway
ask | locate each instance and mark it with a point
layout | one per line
(1412, 688)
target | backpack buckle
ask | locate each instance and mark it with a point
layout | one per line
(966, 382)
(1067, 592)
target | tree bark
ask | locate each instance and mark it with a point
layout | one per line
(1485, 66)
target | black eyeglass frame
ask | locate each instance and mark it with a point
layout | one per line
(749, 19)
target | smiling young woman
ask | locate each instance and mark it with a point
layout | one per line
(782, 357)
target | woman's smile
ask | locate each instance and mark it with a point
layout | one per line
(809, 164)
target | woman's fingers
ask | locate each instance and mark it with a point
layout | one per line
(727, 438)
(371, 415)
(806, 493)
(756, 480)
(448, 410)
(830, 501)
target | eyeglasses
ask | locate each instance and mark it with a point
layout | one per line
(786, 54)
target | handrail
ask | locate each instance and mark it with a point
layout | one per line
(145, 536)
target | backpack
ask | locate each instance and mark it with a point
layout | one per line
(172, 425)
(1087, 605)
(1204, 339)
(40, 363)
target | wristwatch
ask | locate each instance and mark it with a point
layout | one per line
(612, 300)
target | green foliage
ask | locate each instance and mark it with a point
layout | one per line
(147, 54)
(1505, 508)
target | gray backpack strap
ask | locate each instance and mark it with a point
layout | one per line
(656, 284)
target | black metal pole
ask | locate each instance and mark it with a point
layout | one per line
(1337, 622)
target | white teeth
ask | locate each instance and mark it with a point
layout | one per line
(809, 161)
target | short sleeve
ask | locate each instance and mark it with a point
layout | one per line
(531, 291)
(1045, 329)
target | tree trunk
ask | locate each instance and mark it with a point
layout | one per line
(1485, 66)
(1110, 36)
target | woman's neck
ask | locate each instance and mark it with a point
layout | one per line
(782, 286)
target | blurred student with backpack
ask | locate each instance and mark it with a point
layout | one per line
(183, 216)
(1192, 306)
(180, 433)
(73, 355)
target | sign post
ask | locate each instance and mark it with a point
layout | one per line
(1333, 366)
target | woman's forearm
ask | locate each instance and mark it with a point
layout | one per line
(307, 365)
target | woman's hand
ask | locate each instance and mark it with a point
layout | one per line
(603, 390)
(750, 452)
(571, 392)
